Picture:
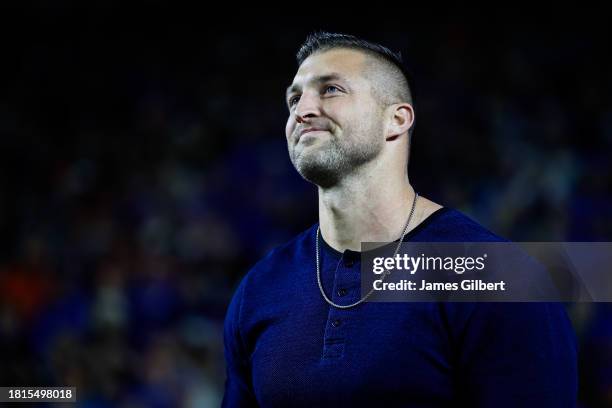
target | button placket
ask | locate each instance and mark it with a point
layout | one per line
(347, 277)
(334, 335)
(345, 290)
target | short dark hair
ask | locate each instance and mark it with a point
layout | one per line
(397, 72)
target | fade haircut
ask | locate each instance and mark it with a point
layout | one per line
(391, 82)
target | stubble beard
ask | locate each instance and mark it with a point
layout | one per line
(328, 164)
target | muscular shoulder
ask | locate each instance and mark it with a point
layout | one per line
(449, 225)
(285, 255)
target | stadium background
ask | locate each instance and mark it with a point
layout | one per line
(144, 170)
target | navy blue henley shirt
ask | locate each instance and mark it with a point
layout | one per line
(286, 347)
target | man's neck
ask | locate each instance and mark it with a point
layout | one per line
(364, 211)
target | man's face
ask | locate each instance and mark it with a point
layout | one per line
(335, 123)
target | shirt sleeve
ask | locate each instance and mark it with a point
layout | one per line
(518, 354)
(238, 385)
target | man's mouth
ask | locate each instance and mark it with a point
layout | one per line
(310, 132)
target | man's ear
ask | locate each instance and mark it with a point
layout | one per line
(401, 118)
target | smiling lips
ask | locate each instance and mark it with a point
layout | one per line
(309, 130)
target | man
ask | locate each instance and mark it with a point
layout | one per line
(298, 332)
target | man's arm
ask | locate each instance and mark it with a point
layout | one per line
(517, 355)
(238, 385)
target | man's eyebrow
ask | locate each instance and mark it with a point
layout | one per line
(318, 79)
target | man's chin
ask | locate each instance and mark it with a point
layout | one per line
(316, 172)
(305, 156)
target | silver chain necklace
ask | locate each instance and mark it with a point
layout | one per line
(385, 273)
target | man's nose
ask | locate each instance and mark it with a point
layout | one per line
(307, 107)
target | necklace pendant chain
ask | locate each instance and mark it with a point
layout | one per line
(384, 275)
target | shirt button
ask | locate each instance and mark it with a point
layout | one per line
(349, 262)
(342, 292)
(336, 323)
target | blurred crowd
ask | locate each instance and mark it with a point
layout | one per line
(143, 173)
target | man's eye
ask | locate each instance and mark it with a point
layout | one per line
(331, 89)
(293, 100)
